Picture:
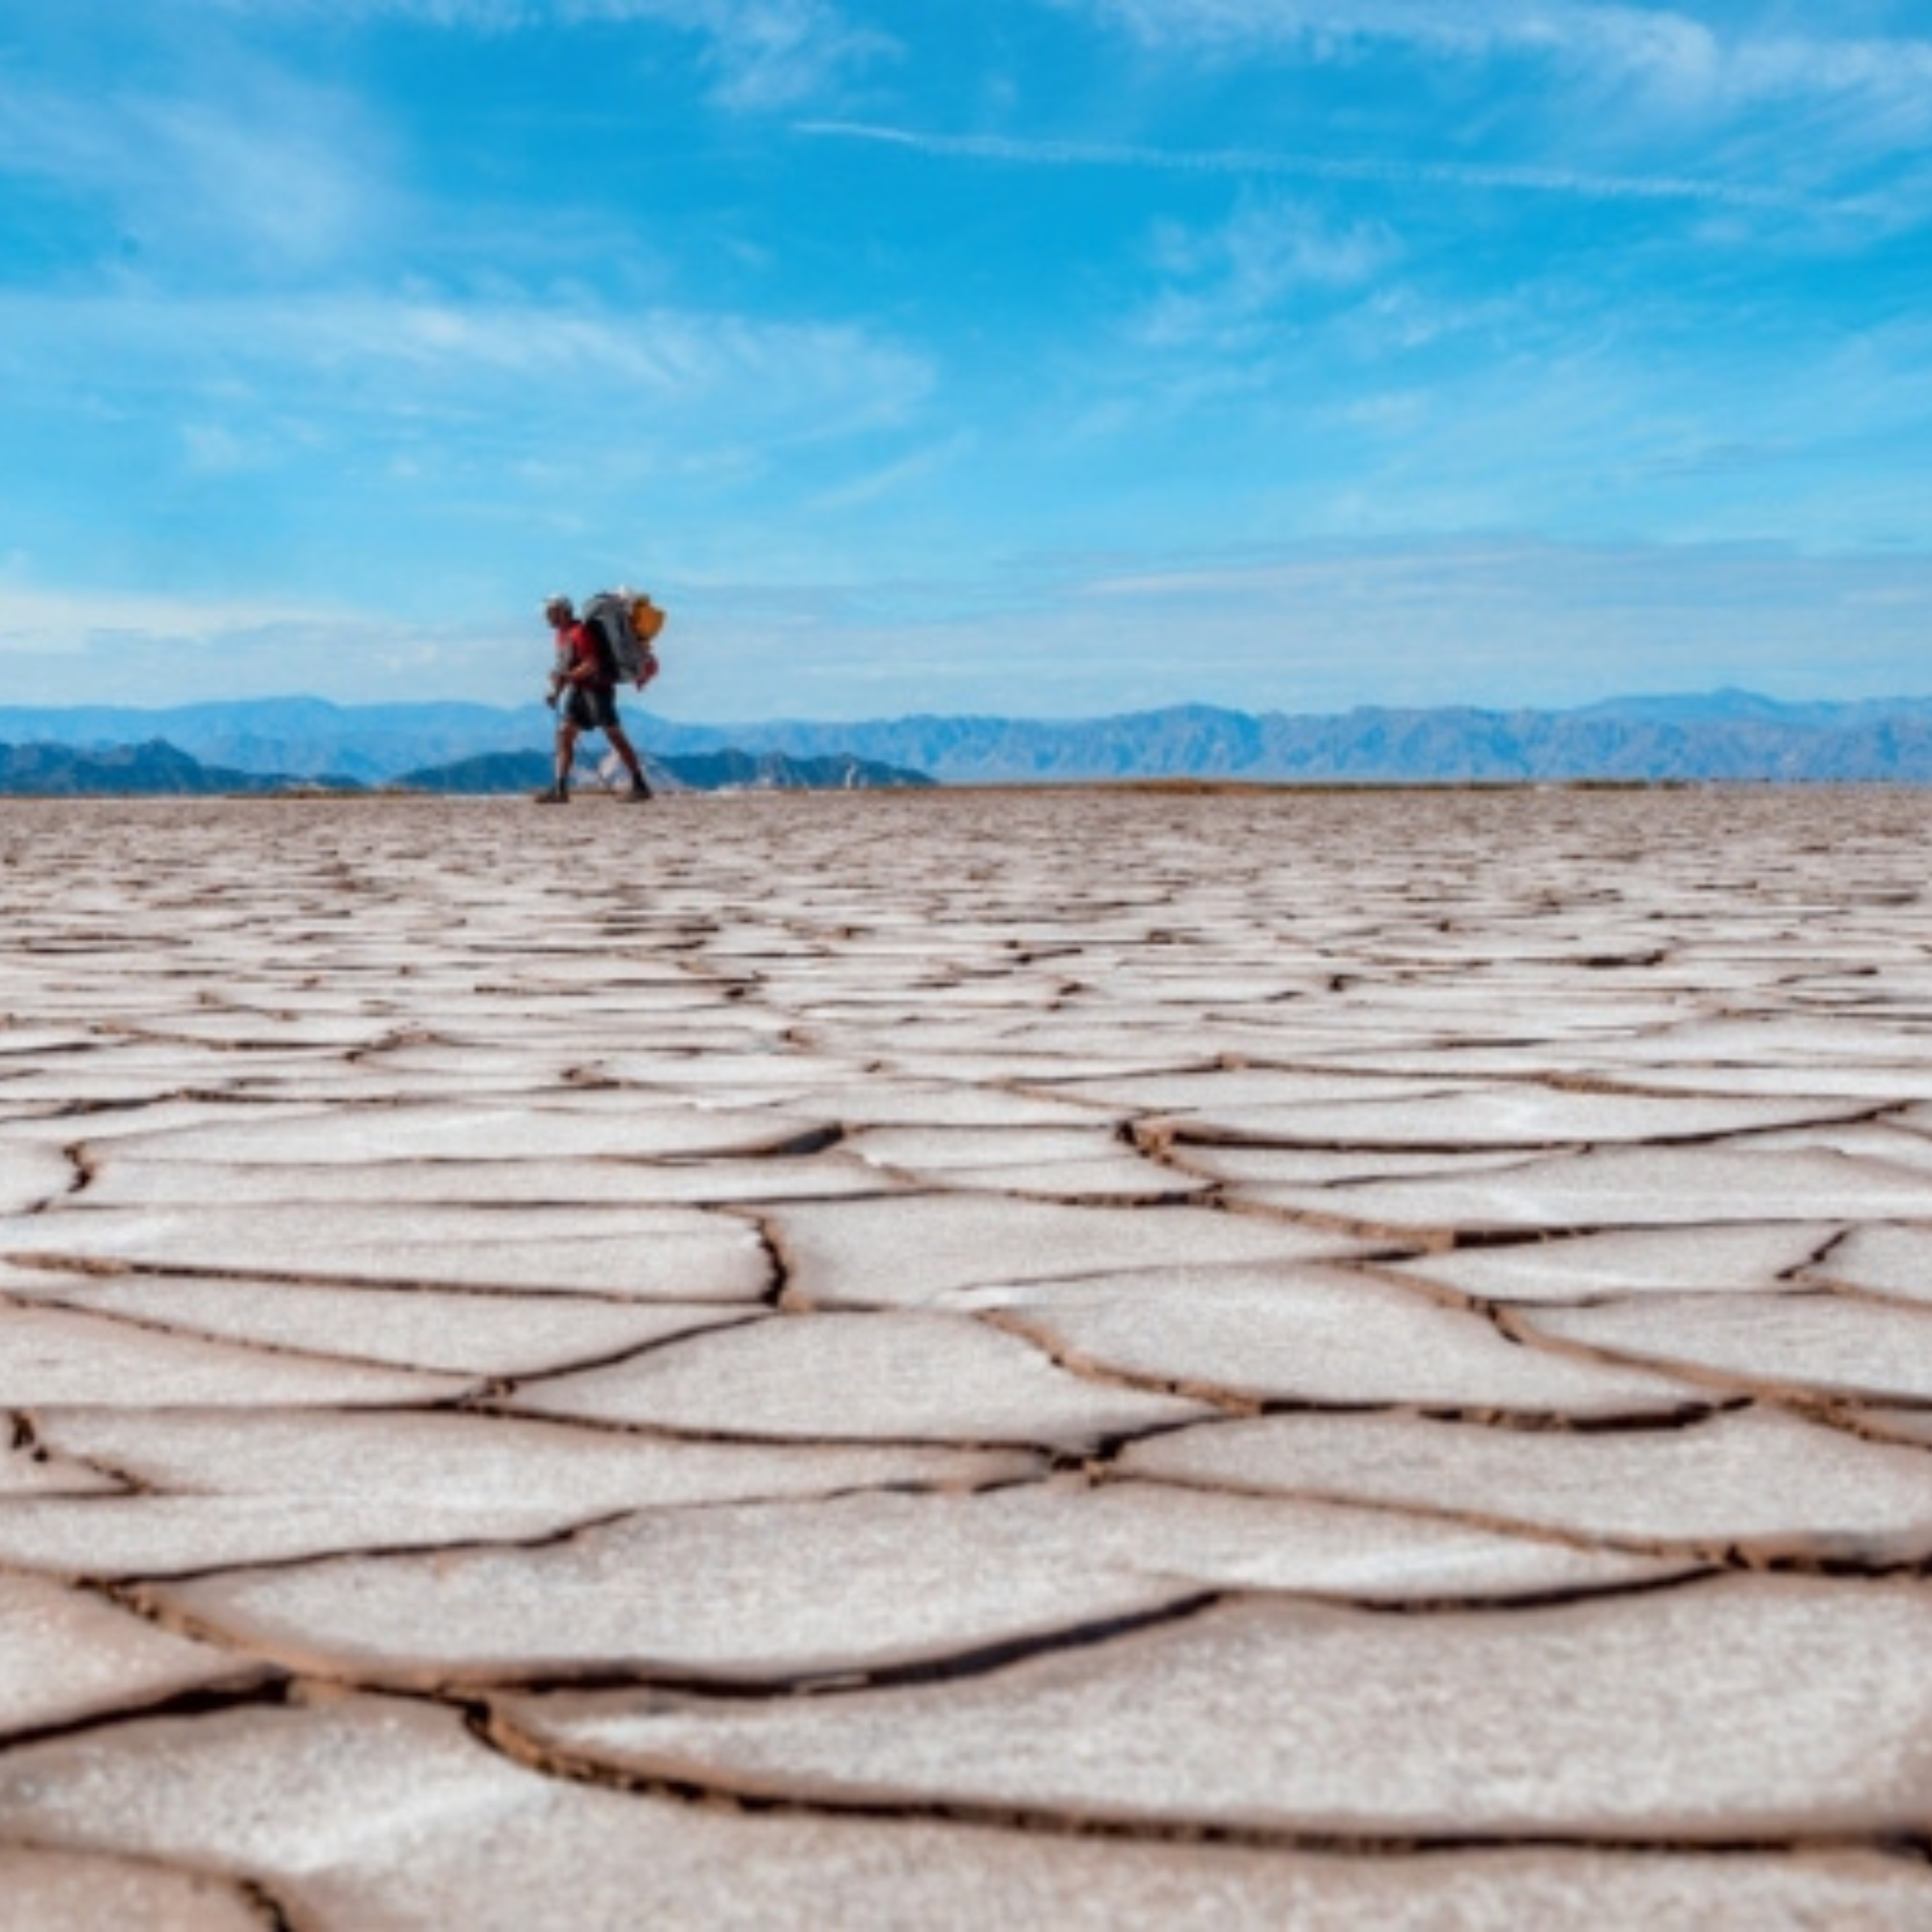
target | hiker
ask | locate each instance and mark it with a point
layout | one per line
(584, 694)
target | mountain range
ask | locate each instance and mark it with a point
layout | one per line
(43, 770)
(490, 772)
(1717, 736)
(58, 771)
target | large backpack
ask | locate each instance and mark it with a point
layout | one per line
(622, 627)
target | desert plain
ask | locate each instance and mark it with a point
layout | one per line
(975, 1359)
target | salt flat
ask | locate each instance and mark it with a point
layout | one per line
(1109, 1359)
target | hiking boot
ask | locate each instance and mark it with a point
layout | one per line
(550, 795)
(641, 791)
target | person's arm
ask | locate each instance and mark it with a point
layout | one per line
(585, 666)
(576, 660)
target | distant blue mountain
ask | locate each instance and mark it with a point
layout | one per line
(152, 769)
(304, 737)
(1722, 735)
(493, 772)
(1736, 707)
(1729, 736)
(42, 770)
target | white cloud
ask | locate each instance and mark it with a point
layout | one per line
(1667, 45)
(1672, 49)
(888, 481)
(1616, 73)
(499, 366)
(261, 172)
(421, 451)
(1259, 162)
(1224, 282)
(216, 449)
(155, 647)
(56, 626)
(773, 53)
(765, 53)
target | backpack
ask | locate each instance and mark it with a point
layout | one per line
(622, 627)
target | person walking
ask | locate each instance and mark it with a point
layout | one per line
(584, 694)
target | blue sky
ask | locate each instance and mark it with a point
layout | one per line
(1041, 357)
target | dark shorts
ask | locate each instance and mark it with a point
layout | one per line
(591, 707)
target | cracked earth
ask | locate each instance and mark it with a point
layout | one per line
(967, 1359)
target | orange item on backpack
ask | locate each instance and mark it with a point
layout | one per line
(646, 619)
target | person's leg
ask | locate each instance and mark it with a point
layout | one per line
(640, 786)
(566, 755)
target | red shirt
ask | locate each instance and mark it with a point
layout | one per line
(578, 649)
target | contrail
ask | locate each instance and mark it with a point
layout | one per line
(1313, 167)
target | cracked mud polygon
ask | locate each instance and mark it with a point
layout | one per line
(1112, 1358)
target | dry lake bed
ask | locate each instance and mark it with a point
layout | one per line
(967, 1359)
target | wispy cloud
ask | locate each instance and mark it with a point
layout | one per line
(382, 351)
(1254, 162)
(1224, 283)
(1334, 27)
(765, 53)
(305, 441)
(157, 650)
(1668, 48)
(62, 624)
(889, 481)
(1794, 106)
(295, 180)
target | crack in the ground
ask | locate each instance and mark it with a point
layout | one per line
(27, 1436)
(274, 1915)
(1554, 1147)
(153, 1324)
(1725, 1384)
(759, 1798)
(1775, 1553)
(1104, 1375)
(779, 1296)
(130, 1589)
(117, 1267)
(258, 1685)
(745, 1438)
(134, 1590)
(506, 1385)
(253, 1893)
